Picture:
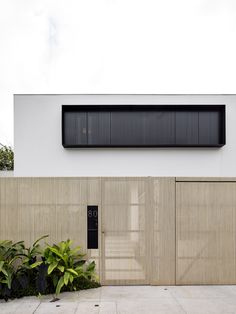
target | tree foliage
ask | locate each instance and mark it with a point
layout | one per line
(6, 158)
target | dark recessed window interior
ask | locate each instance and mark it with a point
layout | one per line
(143, 125)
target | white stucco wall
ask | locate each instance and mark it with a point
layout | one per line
(8, 173)
(39, 152)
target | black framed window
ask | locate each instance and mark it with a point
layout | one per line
(143, 126)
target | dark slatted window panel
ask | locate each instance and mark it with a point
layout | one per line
(143, 126)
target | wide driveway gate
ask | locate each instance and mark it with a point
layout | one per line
(206, 231)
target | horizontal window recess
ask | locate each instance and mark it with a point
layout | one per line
(143, 126)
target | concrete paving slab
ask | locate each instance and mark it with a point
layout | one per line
(131, 299)
(208, 305)
(134, 292)
(25, 305)
(152, 306)
(59, 307)
(105, 307)
(202, 292)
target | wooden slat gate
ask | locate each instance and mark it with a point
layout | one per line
(152, 230)
(138, 231)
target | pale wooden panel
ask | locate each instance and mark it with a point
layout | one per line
(94, 191)
(71, 191)
(123, 190)
(8, 209)
(35, 191)
(60, 222)
(71, 223)
(8, 191)
(124, 217)
(206, 229)
(125, 258)
(9, 222)
(206, 179)
(36, 221)
(162, 231)
(52, 190)
(32, 207)
(124, 239)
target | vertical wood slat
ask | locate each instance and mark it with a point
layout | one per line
(9, 215)
(162, 224)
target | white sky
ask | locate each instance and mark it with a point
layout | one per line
(114, 46)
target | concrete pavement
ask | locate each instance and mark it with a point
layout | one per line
(131, 299)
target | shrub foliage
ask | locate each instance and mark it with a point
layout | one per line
(42, 270)
(6, 158)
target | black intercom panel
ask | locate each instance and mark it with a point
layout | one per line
(92, 227)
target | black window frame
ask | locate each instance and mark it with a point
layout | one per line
(220, 108)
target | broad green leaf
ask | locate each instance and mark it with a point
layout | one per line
(72, 271)
(35, 264)
(56, 251)
(5, 242)
(62, 246)
(52, 267)
(69, 242)
(61, 268)
(66, 278)
(5, 272)
(1, 265)
(9, 280)
(60, 284)
(91, 266)
(71, 278)
(26, 260)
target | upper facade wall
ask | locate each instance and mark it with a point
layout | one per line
(39, 151)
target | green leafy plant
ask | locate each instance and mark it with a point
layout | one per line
(43, 270)
(33, 253)
(66, 264)
(7, 271)
(31, 271)
(9, 253)
(6, 158)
